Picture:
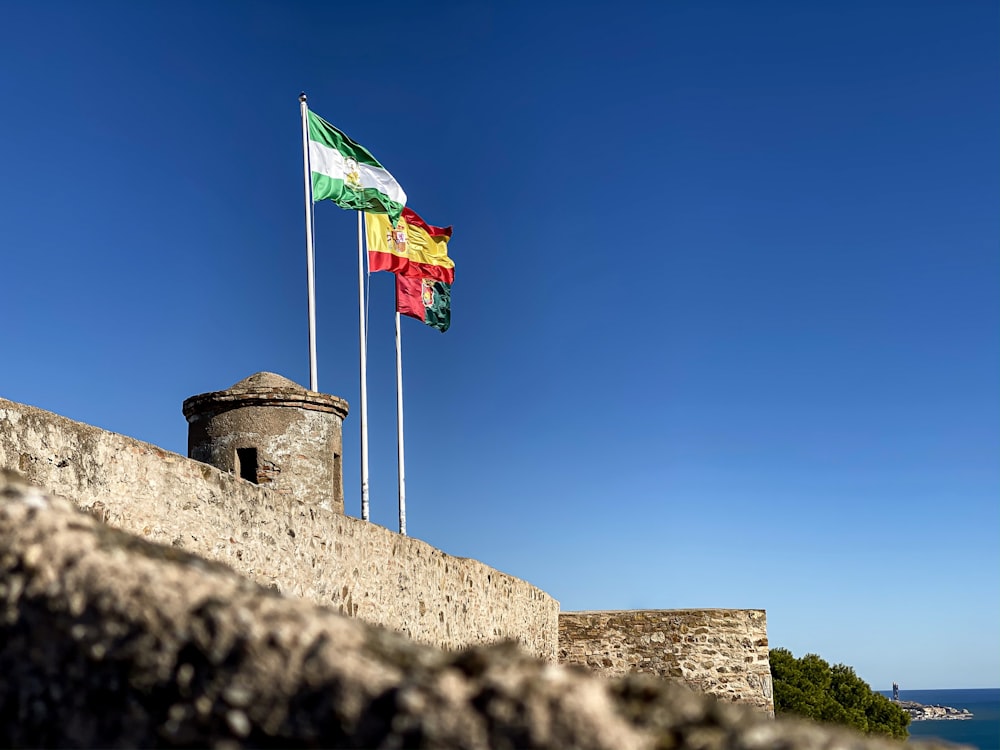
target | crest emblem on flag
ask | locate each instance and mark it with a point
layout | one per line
(352, 176)
(396, 240)
(427, 292)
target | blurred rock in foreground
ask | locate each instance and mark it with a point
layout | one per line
(107, 640)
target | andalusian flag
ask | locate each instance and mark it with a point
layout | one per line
(412, 247)
(346, 173)
(427, 300)
(417, 253)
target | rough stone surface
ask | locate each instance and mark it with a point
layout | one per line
(723, 652)
(354, 567)
(107, 640)
(270, 430)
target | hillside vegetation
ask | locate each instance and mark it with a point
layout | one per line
(811, 688)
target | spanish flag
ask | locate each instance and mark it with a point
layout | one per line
(418, 254)
(411, 248)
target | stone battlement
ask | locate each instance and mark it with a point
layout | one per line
(357, 568)
(723, 652)
(252, 511)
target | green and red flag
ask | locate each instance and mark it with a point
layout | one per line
(427, 300)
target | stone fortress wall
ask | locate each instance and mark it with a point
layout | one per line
(301, 546)
(359, 569)
(723, 652)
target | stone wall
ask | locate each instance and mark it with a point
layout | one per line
(109, 641)
(723, 652)
(357, 568)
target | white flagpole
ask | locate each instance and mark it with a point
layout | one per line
(310, 256)
(399, 424)
(364, 367)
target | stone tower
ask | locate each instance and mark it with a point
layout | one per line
(272, 432)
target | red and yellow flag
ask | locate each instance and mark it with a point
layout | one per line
(411, 248)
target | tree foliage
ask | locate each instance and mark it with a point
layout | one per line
(810, 687)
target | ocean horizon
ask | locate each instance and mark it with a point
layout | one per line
(982, 731)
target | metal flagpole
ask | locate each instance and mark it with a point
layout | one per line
(364, 367)
(310, 255)
(399, 422)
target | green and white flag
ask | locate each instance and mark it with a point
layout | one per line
(346, 173)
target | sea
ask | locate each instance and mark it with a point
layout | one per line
(982, 731)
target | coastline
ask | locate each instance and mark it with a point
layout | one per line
(981, 732)
(920, 712)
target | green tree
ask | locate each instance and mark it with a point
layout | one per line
(811, 688)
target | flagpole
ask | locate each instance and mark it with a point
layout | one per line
(310, 255)
(364, 368)
(399, 424)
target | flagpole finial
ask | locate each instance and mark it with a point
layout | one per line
(302, 96)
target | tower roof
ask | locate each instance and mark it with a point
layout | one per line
(266, 380)
(262, 389)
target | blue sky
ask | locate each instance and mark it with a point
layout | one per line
(726, 318)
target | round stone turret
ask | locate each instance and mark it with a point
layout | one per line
(275, 433)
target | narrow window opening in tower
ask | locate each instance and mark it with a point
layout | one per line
(338, 481)
(246, 464)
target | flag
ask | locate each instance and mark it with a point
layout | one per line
(426, 299)
(411, 248)
(346, 173)
(417, 253)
